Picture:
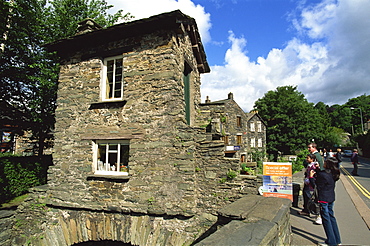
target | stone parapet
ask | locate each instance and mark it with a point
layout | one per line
(252, 220)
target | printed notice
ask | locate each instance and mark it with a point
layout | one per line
(277, 180)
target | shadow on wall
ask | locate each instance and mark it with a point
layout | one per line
(103, 243)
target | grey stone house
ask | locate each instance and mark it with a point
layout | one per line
(134, 161)
(241, 132)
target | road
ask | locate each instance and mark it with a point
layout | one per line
(360, 183)
(351, 210)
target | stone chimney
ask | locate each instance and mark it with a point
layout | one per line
(87, 25)
(230, 96)
(207, 99)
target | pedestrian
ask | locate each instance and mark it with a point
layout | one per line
(330, 153)
(325, 154)
(307, 187)
(354, 160)
(312, 148)
(325, 181)
(338, 156)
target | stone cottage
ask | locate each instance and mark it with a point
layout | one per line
(242, 133)
(133, 161)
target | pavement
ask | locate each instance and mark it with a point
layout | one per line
(352, 214)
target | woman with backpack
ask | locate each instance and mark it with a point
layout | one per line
(325, 181)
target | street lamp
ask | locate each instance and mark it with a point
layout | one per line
(362, 123)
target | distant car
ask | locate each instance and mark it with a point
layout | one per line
(347, 153)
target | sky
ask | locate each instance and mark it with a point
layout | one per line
(255, 46)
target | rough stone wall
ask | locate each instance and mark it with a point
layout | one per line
(175, 169)
(154, 110)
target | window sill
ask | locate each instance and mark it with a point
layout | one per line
(124, 177)
(108, 104)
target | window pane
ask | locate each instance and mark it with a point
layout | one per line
(114, 79)
(124, 155)
(113, 146)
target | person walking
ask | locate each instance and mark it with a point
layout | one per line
(354, 160)
(325, 181)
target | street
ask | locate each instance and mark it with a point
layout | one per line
(361, 182)
(351, 210)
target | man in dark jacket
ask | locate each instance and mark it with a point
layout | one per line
(354, 160)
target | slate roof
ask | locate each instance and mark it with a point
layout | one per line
(166, 21)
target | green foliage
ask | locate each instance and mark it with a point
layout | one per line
(298, 165)
(18, 174)
(246, 169)
(292, 121)
(28, 73)
(64, 15)
(231, 174)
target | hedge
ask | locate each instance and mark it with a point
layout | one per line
(19, 173)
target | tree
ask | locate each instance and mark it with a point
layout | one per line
(28, 73)
(62, 16)
(292, 122)
(363, 103)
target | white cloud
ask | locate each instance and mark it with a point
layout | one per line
(146, 8)
(328, 60)
(332, 67)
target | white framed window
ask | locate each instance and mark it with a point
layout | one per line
(111, 157)
(259, 143)
(259, 126)
(253, 142)
(112, 79)
(251, 125)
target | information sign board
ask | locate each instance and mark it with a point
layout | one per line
(277, 180)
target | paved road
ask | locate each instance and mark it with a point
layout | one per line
(352, 226)
(362, 182)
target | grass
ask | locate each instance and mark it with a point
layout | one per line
(14, 203)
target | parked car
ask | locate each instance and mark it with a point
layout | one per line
(347, 153)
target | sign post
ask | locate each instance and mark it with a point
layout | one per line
(277, 180)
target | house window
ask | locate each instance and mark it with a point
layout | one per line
(238, 121)
(252, 126)
(187, 93)
(259, 143)
(253, 142)
(112, 85)
(226, 140)
(111, 157)
(238, 139)
(259, 126)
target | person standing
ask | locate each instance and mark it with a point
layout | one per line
(312, 148)
(338, 156)
(307, 187)
(354, 160)
(325, 181)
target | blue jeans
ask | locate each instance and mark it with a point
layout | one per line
(330, 224)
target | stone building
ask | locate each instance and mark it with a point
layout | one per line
(242, 133)
(133, 161)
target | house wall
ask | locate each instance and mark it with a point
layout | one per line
(153, 113)
(178, 176)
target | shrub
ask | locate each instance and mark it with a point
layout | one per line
(18, 174)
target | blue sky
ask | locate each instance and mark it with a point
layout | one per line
(254, 46)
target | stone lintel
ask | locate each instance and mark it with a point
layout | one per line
(110, 137)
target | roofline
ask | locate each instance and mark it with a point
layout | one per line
(174, 20)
